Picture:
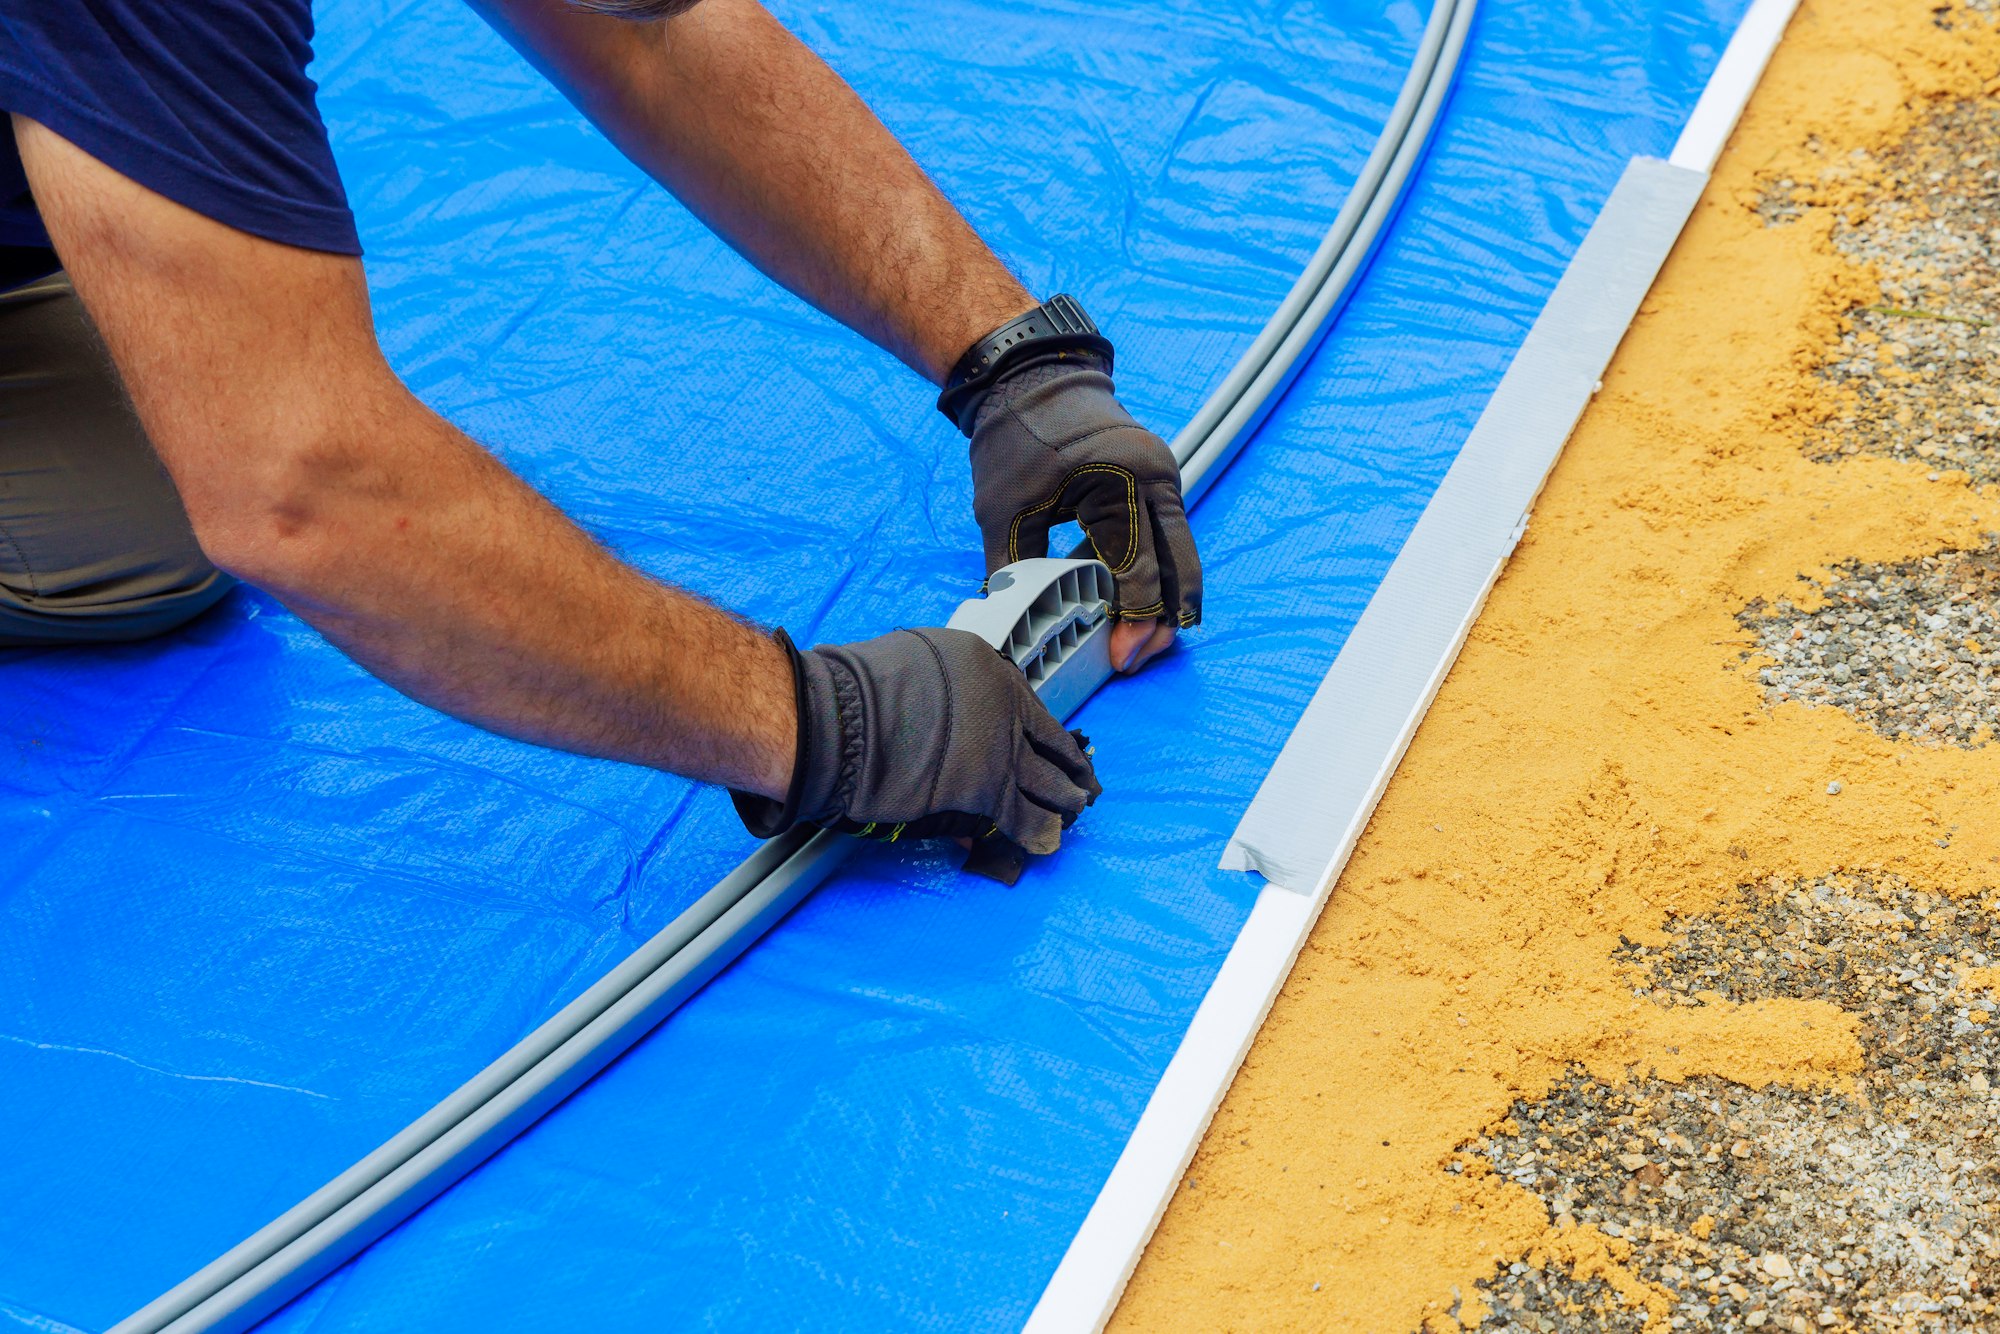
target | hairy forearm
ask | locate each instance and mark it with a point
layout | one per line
(310, 470)
(773, 150)
(452, 580)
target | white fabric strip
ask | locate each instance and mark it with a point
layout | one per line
(1323, 787)
(1728, 89)
(1313, 804)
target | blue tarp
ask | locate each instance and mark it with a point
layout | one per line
(257, 911)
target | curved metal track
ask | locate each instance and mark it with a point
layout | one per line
(284, 1258)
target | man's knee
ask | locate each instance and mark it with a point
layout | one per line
(95, 545)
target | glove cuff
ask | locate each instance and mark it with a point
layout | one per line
(819, 756)
(1064, 374)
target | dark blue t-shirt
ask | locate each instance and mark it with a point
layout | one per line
(205, 101)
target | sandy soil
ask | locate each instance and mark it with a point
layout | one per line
(1656, 996)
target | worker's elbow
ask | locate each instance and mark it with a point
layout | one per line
(277, 519)
(275, 553)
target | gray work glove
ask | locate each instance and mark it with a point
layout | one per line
(925, 734)
(1051, 443)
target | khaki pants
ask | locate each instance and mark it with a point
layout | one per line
(94, 542)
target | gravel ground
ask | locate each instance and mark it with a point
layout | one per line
(1537, 1298)
(1877, 1208)
(1921, 359)
(1777, 1208)
(1909, 648)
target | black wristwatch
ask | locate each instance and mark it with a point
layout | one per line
(1058, 325)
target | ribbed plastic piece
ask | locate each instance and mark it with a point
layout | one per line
(1053, 618)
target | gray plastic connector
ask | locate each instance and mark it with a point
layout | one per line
(1053, 618)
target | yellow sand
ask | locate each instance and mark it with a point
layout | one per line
(1593, 759)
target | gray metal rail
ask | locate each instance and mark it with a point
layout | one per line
(336, 1222)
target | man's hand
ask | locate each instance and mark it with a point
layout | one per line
(926, 734)
(766, 143)
(308, 469)
(1051, 443)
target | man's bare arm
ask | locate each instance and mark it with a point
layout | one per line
(773, 150)
(311, 471)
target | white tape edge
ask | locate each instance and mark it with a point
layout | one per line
(1086, 1287)
(1090, 1280)
(1087, 1284)
(1728, 89)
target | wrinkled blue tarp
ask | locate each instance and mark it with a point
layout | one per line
(257, 911)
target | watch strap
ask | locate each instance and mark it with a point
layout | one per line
(1057, 325)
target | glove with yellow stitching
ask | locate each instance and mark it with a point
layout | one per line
(1051, 443)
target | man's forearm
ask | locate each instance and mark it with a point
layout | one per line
(309, 469)
(452, 580)
(773, 150)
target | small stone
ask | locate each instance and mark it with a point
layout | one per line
(1833, 788)
(1777, 1266)
(1632, 1162)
